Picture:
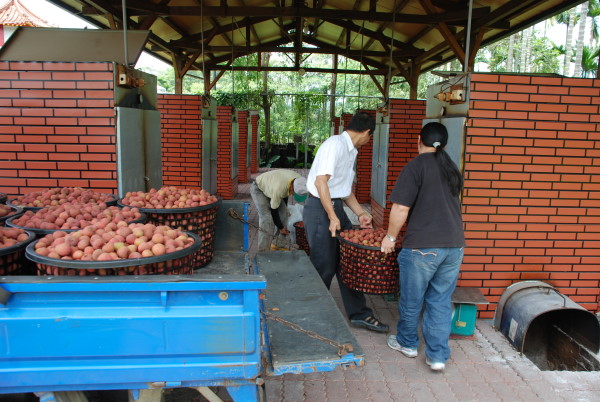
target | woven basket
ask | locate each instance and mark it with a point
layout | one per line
(176, 263)
(199, 220)
(301, 239)
(12, 259)
(367, 269)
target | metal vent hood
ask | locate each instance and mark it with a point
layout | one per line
(73, 45)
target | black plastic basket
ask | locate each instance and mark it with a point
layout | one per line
(301, 239)
(3, 198)
(16, 211)
(199, 220)
(367, 269)
(12, 259)
(12, 203)
(175, 263)
(44, 232)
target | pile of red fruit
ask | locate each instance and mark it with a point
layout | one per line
(113, 242)
(5, 210)
(12, 236)
(168, 197)
(364, 237)
(75, 216)
(61, 195)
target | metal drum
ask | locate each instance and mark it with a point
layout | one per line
(549, 328)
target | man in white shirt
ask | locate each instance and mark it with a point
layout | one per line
(329, 186)
(268, 192)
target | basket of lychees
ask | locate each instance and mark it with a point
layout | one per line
(363, 266)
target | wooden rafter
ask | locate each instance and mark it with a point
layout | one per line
(363, 24)
(142, 7)
(446, 33)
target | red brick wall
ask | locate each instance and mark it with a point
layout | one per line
(531, 202)
(57, 126)
(244, 171)
(406, 119)
(227, 187)
(364, 166)
(181, 139)
(255, 141)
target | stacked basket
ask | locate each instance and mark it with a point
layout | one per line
(45, 203)
(301, 239)
(12, 258)
(198, 219)
(176, 263)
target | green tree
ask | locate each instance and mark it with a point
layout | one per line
(543, 55)
(589, 62)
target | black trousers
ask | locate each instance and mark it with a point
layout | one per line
(325, 253)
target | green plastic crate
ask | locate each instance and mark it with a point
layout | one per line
(463, 319)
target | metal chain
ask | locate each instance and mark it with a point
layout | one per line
(343, 348)
(234, 215)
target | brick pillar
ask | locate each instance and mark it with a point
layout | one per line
(406, 120)
(253, 131)
(226, 185)
(244, 170)
(336, 125)
(181, 140)
(364, 166)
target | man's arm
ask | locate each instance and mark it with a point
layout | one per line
(365, 218)
(398, 216)
(321, 182)
(277, 221)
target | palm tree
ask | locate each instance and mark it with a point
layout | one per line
(581, 39)
(594, 14)
(567, 18)
(510, 56)
(589, 62)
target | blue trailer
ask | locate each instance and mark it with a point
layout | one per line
(231, 324)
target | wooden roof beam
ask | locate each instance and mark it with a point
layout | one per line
(385, 25)
(220, 67)
(446, 33)
(142, 7)
(217, 30)
(372, 34)
(268, 48)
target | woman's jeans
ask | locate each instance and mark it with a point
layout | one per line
(429, 276)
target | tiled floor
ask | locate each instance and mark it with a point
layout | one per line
(483, 368)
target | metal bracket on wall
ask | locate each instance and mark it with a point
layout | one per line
(127, 79)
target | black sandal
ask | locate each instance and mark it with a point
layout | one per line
(370, 323)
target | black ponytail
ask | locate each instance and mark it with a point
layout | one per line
(436, 135)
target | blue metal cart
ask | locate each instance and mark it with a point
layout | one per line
(232, 324)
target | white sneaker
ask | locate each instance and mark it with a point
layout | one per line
(435, 366)
(408, 352)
